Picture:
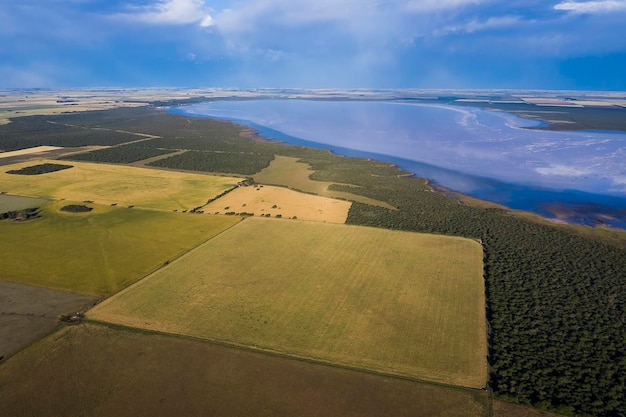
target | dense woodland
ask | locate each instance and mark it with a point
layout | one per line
(556, 296)
(124, 154)
(226, 162)
(39, 169)
(32, 131)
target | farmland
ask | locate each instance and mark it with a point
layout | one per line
(14, 202)
(279, 201)
(290, 172)
(28, 313)
(394, 302)
(100, 371)
(121, 185)
(555, 295)
(100, 251)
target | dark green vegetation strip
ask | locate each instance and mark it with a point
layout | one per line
(124, 154)
(556, 298)
(21, 215)
(102, 371)
(26, 132)
(76, 208)
(228, 162)
(39, 169)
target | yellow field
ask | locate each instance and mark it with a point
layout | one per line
(397, 302)
(100, 251)
(278, 200)
(33, 150)
(117, 184)
(287, 171)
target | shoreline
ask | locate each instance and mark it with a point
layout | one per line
(549, 206)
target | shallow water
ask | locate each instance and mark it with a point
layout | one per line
(489, 155)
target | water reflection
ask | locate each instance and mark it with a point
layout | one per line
(573, 176)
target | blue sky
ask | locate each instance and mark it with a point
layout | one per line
(523, 44)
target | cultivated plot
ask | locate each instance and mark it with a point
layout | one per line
(396, 302)
(16, 202)
(100, 251)
(289, 172)
(98, 371)
(28, 312)
(278, 201)
(118, 184)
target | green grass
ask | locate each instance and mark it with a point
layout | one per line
(101, 251)
(14, 202)
(395, 302)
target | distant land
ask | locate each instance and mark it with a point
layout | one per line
(581, 201)
(562, 110)
(158, 263)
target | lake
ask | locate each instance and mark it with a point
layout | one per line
(573, 176)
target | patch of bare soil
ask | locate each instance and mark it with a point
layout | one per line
(28, 313)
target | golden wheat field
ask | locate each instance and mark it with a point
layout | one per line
(117, 184)
(279, 201)
(395, 302)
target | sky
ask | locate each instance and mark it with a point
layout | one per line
(455, 44)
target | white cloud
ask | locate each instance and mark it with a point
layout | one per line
(599, 6)
(427, 6)
(479, 25)
(171, 12)
(563, 171)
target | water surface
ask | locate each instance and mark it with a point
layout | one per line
(577, 176)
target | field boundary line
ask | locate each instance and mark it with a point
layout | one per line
(284, 355)
(167, 263)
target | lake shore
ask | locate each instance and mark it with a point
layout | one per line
(565, 206)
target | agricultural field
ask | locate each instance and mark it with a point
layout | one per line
(387, 301)
(100, 251)
(27, 313)
(15, 202)
(118, 184)
(272, 201)
(29, 151)
(100, 371)
(289, 172)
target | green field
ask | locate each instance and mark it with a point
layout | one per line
(92, 370)
(289, 172)
(101, 251)
(395, 302)
(118, 184)
(14, 202)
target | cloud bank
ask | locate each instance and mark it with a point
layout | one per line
(319, 43)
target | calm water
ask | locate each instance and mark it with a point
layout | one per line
(489, 155)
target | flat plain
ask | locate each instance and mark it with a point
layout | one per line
(118, 184)
(28, 312)
(271, 201)
(100, 251)
(394, 302)
(15, 202)
(290, 172)
(100, 371)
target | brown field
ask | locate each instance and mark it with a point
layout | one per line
(290, 173)
(90, 370)
(278, 200)
(393, 302)
(27, 313)
(118, 184)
